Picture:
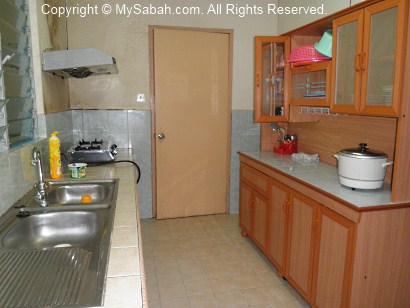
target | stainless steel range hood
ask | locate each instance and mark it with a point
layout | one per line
(78, 63)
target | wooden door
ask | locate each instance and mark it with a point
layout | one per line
(260, 223)
(272, 78)
(346, 65)
(192, 121)
(300, 252)
(333, 260)
(383, 57)
(245, 209)
(277, 224)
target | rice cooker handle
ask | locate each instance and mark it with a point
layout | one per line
(384, 165)
(363, 147)
(336, 156)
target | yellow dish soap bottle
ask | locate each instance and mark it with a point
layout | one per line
(55, 159)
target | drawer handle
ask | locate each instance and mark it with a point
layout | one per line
(253, 178)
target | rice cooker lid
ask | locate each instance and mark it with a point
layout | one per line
(363, 152)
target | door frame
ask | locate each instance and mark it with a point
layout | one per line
(151, 29)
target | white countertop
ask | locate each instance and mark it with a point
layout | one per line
(125, 276)
(324, 177)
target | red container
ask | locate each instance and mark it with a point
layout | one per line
(286, 148)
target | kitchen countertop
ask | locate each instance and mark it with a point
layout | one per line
(125, 276)
(323, 177)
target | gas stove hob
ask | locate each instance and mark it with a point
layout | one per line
(97, 151)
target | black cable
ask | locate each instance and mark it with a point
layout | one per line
(138, 170)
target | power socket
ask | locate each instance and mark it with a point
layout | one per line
(140, 98)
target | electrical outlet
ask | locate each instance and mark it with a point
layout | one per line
(140, 98)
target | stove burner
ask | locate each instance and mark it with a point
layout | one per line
(89, 145)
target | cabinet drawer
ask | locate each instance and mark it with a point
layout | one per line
(255, 179)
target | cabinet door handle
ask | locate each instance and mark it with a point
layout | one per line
(363, 62)
(357, 62)
(253, 178)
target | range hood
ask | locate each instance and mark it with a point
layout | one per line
(78, 63)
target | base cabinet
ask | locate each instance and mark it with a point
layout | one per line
(301, 243)
(278, 215)
(254, 215)
(333, 259)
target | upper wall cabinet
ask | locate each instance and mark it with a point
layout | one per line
(368, 57)
(271, 78)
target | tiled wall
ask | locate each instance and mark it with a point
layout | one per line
(245, 136)
(127, 129)
(17, 175)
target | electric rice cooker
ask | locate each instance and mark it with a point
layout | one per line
(361, 167)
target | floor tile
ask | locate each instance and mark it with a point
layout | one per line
(167, 291)
(175, 303)
(204, 301)
(198, 287)
(223, 284)
(234, 299)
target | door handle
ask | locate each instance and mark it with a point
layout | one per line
(161, 136)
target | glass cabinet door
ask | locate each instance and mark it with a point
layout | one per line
(271, 71)
(382, 53)
(347, 38)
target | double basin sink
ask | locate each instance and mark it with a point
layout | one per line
(57, 255)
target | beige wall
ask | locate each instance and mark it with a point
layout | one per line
(290, 22)
(52, 93)
(127, 40)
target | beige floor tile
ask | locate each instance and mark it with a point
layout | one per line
(248, 282)
(258, 296)
(204, 301)
(185, 252)
(224, 284)
(285, 292)
(165, 263)
(193, 273)
(167, 291)
(270, 279)
(151, 278)
(198, 287)
(234, 299)
(175, 303)
(188, 262)
(262, 266)
(169, 277)
(153, 293)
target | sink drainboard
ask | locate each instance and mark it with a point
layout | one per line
(43, 278)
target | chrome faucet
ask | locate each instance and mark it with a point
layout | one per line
(41, 186)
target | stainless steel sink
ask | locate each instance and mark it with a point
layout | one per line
(67, 193)
(57, 256)
(48, 230)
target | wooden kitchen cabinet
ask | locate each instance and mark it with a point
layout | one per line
(301, 243)
(368, 58)
(333, 259)
(245, 209)
(335, 255)
(311, 84)
(254, 206)
(278, 217)
(271, 78)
